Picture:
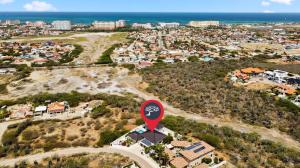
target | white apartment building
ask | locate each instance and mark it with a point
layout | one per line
(11, 22)
(36, 24)
(62, 25)
(110, 25)
(142, 26)
(203, 23)
(99, 25)
(169, 25)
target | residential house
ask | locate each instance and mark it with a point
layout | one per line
(147, 138)
(252, 71)
(40, 110)
(57, 107)
(180, 144)
(294, 82)
(286, 89)
(196, 152)
(21, 112)
(179, 162)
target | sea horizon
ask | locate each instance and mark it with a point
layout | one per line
(155, 17)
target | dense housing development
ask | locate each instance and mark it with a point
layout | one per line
(33, 53)
(280, 83)
(226, 42)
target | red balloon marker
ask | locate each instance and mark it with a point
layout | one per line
(152, 112)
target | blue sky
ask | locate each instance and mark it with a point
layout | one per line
(152, 5)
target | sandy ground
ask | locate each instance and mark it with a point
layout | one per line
(5, 79)
(95, 44)
(86, 80)
(281, 62)
(262, 46)
(117, 81)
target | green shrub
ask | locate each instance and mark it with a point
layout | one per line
(69, 57)
(3, 89)
(131, 67)
(288, 105)
(4, 113)
(100, 111)
(211, 139)
(9, 137)
(206, 160)
(105, 57)
(193, 59)
(139, 121)
(108, 137)
(29, 135)
(168, 139)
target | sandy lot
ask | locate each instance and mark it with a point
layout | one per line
(86, 80)
(95, 44)
(262, 46)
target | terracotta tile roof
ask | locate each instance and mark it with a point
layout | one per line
(287, 89)
(21, 111)
(239, 74)
(197, 150)
(179, 162)
(56, 107)
(252, 70)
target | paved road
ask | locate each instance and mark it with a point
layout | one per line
(144, 162)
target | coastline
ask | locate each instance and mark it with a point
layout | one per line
(154, 17)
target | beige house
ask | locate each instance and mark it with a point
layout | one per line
(196, 152)
(189, 154)
(179, 162)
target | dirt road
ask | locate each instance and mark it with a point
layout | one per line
(145, 162)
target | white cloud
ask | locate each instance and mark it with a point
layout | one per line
(286, 2)
(265, 3)
(6, 1)
(39, 6)
(268, 11)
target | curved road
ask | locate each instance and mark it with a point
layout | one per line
(143, 161)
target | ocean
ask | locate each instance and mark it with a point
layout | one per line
(183, 18)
